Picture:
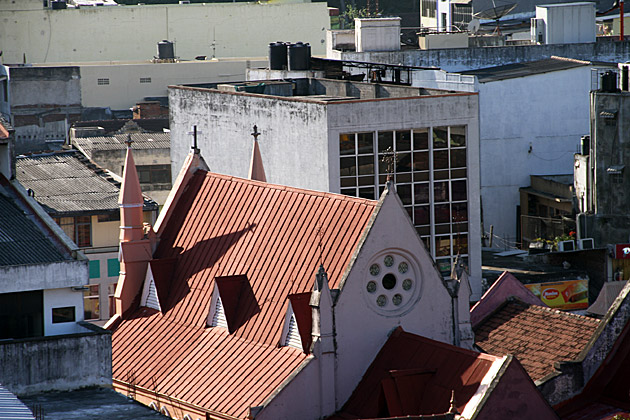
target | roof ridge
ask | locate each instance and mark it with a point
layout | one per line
(289, 188)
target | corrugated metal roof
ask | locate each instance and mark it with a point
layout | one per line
(141, 141)
(112, 126)
(11, 408)
(21, 239)
(225, 226)
(536, 335)
(414, 375)
(66, 183)
(511, 71)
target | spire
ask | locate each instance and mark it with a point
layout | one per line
(130, 200)
(256, 169)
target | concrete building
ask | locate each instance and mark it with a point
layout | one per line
(44, 343)
(32, 33)
(532, 117)
(82, 199)
(333, 136)
(601, 180)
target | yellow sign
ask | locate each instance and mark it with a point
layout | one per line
(567, 294)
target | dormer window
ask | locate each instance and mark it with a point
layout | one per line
(233, 303)
(150, 297)
(292, 337)
(298, 323)
(218, 313)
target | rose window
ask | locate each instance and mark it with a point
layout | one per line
(391, 284)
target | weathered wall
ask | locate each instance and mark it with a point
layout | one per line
(21, 278)
(61, 298)
(44, 102)
(461, 59)
(65, 362)
(132, 32)
(292, 144)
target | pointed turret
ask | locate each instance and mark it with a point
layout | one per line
(256, 168)
(135, 247)
(130, 200)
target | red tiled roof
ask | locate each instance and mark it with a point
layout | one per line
(266, 234)
(414, 375)
(537, 336)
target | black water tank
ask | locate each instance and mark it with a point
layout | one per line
(624, 78)
(277, 56)
(299, 56)
(58, 4)
(608, 82)
(165, 50)
(585, 145)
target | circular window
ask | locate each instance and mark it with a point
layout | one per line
(389, 281)
(392, 283)
(371, 286)
(388, 260)
(375, 269)
(403, 267)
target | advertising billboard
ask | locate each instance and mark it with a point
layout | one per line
(565, 295)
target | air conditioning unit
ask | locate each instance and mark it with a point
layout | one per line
(565, 246)
(537, 31)
(586, 243)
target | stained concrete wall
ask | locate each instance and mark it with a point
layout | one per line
(132, 32)
(22, 278)
(460, 59)
(65, 362)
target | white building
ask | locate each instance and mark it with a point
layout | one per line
(531, 118)
(333, 136)
(31, 32)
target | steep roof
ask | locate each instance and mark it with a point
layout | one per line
(67, 183)
(23, 237)
(414, 375)
(536, 335)
(266, 234)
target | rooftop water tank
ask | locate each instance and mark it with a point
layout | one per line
(277, 56)
(299, 56)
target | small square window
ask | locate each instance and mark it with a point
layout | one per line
(145, 80)
(65, 314)
(102, 81)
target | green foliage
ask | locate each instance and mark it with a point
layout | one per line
(352, 13)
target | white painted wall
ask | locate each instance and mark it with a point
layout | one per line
(443, 6)
(568, 23)
(550, 113)
(377, 34)
(61, 298)
(132, 32)
(125, 90)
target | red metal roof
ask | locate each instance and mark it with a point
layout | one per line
(537, 336)
(414, 375)
(267, 236)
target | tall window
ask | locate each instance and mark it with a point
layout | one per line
(428, 8)
(430, 173)
(79, 229)
(91, 304)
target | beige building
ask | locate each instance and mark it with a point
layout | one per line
(31, 32)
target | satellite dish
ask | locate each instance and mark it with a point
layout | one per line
(495, 13)
(473, 26)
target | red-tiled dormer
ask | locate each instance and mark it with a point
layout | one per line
(258, 244)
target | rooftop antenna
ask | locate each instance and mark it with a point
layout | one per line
(194, 133)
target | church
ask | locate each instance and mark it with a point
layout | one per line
(254, 300)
